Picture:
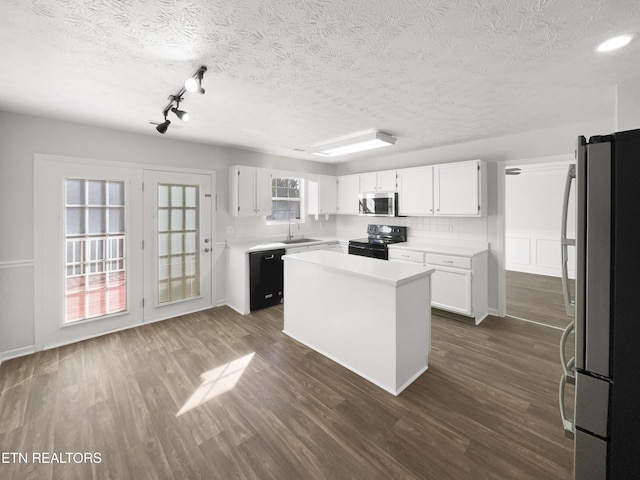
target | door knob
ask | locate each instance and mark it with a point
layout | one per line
(206, 250)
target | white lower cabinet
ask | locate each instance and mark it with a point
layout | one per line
(451, 290)
(458, 284)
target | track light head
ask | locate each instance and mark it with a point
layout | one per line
(194, 84)
(181, 114)
(162, 128)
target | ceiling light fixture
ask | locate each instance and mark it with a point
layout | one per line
(354, 144)
(614, 43)
(178, 97)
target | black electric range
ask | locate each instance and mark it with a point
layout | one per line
(375, 245)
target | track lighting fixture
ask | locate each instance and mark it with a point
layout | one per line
(193, 84)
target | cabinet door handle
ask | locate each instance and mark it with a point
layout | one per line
(447, 261)
(270, 257)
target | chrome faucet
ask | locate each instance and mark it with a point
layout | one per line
(293, 220)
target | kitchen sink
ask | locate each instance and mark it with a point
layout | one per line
(299, 240)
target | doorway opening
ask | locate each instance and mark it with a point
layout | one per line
(534, 193)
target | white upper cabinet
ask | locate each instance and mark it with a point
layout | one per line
(378, 181)
(348, 189)
(249, 191)
(415, 191)
(459, 188)
(322, 193)
(264, 181)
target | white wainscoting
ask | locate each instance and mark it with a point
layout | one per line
(537, 253)
(16, 311)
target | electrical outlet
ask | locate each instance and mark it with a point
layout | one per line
(229, 230)
(450, 228)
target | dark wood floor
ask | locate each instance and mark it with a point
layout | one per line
(537, 297)
(485, 409)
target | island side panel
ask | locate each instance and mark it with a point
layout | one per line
(346, 317)
(238, 280)
(413, 330)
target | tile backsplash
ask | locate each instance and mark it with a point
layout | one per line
(466, 229)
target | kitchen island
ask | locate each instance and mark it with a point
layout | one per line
(370, 316)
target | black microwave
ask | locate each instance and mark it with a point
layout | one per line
(378, 204)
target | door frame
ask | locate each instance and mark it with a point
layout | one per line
(44, 159)
(502, 219)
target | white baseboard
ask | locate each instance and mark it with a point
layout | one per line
(17, 352)
(537, 270)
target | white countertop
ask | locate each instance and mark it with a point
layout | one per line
(270, 244)
(393, 273)
(461, 249)
(448, 247)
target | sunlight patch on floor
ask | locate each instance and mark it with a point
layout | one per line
(216, 382)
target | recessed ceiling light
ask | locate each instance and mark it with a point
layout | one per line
(614, 43)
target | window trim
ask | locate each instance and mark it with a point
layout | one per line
(301, 199)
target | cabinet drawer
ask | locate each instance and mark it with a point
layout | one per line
(448, 260)
(406, 255)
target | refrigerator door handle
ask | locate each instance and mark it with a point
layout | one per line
(565, 242)
(567, 367)
(567, 423)
(568, 376)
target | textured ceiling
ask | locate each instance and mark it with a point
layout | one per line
(287, 74)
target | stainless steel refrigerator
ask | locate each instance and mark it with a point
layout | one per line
(606, 363)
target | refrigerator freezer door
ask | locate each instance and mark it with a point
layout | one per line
(598, 261)
(590, 457)
(592, 404)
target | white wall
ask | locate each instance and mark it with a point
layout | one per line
(533, 214)
(21, 136)
(628, 105)
(420, 228)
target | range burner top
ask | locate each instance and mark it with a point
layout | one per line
(375, 245)
(376, 240)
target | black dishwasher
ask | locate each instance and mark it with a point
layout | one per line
(266, 279)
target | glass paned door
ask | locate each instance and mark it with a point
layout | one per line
(178, 244)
